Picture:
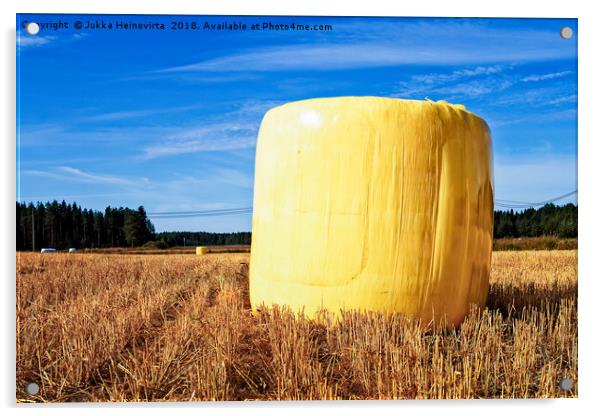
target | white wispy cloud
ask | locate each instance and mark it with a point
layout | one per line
(118, 115)
(438, 43)
(194, 78)
(32, 134)
(534, 97)
(216, 137)
(301, 57)
(538, 97)
(67, 173)
(436, 78)
(130, 114)
(234, 130)
(482, 81)
(149, 139)
(468, 82)
(564, 99)
(222, 184)
(25, 41)
(544, 77)
(541, 117)
(72, 134)
(473, 89)
(80, 175)
(217, 175)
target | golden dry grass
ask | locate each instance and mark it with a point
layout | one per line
(96, 327)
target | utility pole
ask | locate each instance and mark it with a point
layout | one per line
(33, 231)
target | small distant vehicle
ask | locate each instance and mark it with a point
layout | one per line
(48, 250)
(72, 250)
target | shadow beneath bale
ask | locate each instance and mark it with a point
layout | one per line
(243, 279)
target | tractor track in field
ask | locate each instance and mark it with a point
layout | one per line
(98, 376)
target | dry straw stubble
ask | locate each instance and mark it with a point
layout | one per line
(98, 327)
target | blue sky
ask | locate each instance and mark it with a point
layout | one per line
(168, 119)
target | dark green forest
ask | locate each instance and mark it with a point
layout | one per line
(201, 238)
(62, 225)
(549, 220)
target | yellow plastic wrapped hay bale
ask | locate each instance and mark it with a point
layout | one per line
(201, 250)
(372, 204)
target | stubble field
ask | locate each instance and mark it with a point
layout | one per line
(102, 327)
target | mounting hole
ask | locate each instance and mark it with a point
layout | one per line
(566, 384)
(32, 28)
(32, 388)
(566, 33)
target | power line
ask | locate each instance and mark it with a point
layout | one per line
(215, 214)
(518, 204)
(205, 213)
(538, 203)
(155, 214)
(249, 210)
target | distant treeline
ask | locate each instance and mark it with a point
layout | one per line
(549, 220)
(188, 238)
(62, 225)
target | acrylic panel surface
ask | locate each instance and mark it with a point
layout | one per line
(187, 184)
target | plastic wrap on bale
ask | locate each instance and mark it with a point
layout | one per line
(372, 204)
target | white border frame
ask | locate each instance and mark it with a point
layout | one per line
(589, 153)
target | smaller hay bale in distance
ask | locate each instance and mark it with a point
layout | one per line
(201, 250)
